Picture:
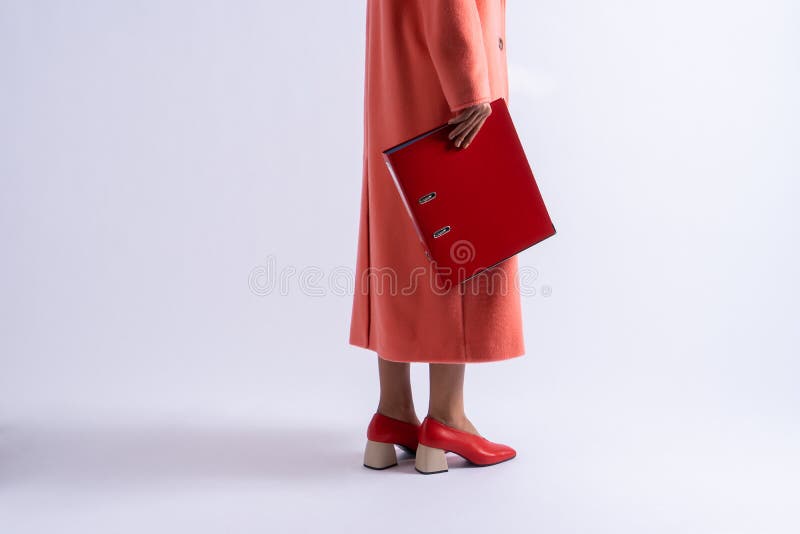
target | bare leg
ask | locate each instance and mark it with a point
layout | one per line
(447, 396)
(396, 400)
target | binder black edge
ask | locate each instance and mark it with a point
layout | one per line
(423, 135)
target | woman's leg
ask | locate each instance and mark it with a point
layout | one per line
(447, 396)
(396, 400)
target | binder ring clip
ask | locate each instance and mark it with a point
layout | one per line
(441, 231)
(427, 198)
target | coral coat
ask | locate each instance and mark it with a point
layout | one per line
(425, 60)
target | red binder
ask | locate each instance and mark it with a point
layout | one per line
(474, 207)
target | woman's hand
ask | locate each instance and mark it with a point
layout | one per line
(468, 122)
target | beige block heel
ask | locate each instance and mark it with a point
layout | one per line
(430, 460)
(379, 455)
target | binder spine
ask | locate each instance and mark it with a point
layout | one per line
(403, 196)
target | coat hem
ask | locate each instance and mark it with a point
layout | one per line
(423, 359)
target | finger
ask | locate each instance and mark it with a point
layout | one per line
(469, 127)
(469, 135)
(475, 126)
(463, 135)
(473, 133)
(458, 130)
(481, 111)
(463, 116)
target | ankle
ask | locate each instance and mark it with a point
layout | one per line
(400, 412)
(455, 419)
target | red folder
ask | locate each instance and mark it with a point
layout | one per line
(473, 207)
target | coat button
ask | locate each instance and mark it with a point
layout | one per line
(500, 43)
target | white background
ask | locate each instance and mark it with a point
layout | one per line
(154, 155)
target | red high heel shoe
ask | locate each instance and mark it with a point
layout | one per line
(383, 433)
(437, 438)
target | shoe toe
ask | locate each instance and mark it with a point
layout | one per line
(507, 452)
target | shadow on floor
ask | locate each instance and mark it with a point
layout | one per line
(136, 453)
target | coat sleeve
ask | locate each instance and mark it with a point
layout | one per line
(452, 30)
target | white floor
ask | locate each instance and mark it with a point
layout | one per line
(581, 468)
